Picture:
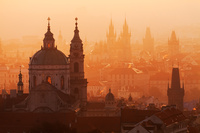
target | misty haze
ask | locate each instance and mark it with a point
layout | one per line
(100, 66)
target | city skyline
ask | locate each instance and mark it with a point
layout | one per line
(18, 18)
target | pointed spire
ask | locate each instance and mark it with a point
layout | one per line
(175, 83)
(76, 37)
(148, 33)
(173, 35)
(125, 31)
(109, 90)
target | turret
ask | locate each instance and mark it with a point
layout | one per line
(48, 41)
(20, 84)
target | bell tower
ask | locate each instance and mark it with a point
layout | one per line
(78, 82)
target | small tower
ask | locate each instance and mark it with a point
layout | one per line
(175, 93)
(130, 98)
(148, 42)
(77, 80)
(173, 45)
(20, 84)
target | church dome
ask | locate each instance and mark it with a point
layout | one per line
(110, 96)
(48, 57)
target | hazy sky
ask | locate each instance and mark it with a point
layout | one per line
(29, 17)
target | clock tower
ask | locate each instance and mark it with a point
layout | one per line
(78, 82)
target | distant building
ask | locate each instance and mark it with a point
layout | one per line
(176, 93)
(148, 42)
(107, 108)
(114, 50)
(173, 45)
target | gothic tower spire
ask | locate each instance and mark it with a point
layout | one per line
(173, 45)
(76, 38)
(175, 93)
(148, 42)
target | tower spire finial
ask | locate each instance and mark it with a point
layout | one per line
(48, 23)
(76, 22)
(20, 69)
(76, 37)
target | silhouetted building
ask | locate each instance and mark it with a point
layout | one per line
(53, 86)
(124, 51)
(49, 65)
(173, 45)
(148, 42)
(113, 50)
(78, 83)
(20, 84)
(175, 93)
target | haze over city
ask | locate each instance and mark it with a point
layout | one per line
(106, 66)
(20, 18)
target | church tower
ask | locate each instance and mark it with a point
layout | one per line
(175, 93)
(111, 36)
(124, 44)
(148, 42)
(173, 45)
(20, 84)
(111, 42)
(78, 82)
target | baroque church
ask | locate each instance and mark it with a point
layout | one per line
(56, 81)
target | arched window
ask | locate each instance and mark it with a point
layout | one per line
(76, 67)
(48, 79)
(62, 82)
(34, 81)
(49, 45)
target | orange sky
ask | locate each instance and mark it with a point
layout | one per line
(28, 17)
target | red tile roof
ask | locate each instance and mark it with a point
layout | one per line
(170, 116)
